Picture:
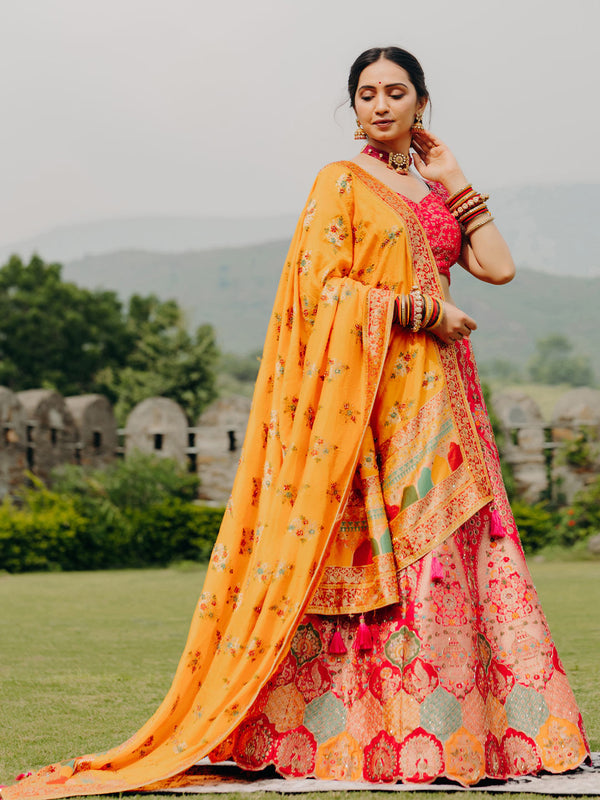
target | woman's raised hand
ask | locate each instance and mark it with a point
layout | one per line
(435, 161)
(454, 325)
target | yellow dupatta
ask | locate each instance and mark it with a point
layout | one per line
(356, 246)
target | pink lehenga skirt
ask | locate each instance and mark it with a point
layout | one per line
(460, 679)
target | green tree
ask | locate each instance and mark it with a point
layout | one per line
(55, 334)
(501, 369)
(165, 360)
(554, 363)
(242, 368)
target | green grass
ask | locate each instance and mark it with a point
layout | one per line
(87, 657)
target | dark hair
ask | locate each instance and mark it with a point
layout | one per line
(400, 57)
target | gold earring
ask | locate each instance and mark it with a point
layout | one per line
(418, 123)
(359, 132)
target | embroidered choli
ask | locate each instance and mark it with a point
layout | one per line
(442, 230)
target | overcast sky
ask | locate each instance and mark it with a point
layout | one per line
(117, 108)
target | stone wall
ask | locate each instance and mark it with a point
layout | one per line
(218, 439)
(13, 431)
(556, 458)
(51, 434)
(96, 425)
(159, 426)
(40, 430)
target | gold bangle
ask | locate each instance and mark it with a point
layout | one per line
(479, 224)
(453, 197)
(418, 305)
(479, 207)
(472, 214)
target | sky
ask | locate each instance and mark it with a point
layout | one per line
(126, 108)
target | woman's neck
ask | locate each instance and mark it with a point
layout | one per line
(398, 145)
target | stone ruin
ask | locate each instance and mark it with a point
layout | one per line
(576, 429)
(12, 441)
(50, 434)
(538, 451)
(40, 430)
(523, 445)
(97, 429)
(219, 436)
(159, 426)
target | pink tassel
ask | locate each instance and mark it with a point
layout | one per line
(496, 527)
(437, 571)
(364, 640)
(336, 645)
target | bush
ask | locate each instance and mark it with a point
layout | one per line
(581, 519)
(132, 483)
(173, 530)
(133, 514)
(537, 526)
(41, 535)
(582, 452)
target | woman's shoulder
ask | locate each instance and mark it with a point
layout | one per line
(334, 180)
(335, 169)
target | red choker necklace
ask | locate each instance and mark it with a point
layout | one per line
(396, 161)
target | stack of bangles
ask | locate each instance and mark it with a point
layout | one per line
(418, 311)
(469, 209)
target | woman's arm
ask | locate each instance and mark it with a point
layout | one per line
(486, 255)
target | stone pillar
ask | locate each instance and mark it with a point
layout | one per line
(13, 446)
(576, 429)
(524, 442)
(219, 436)
(50, 434)
(159, 426)
(97, 429)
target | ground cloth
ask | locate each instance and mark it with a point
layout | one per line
(582, 781)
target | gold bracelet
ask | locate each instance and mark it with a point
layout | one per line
(418, 305)
(479, 224)
(472, 214)
(453, 197)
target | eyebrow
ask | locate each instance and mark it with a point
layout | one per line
(387, 86)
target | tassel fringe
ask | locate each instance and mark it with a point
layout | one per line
(437, 571)
(336, 645)
(496, 526)
(364, 640)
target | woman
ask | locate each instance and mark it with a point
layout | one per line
(367, 613)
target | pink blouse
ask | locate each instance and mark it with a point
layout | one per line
(442, 230)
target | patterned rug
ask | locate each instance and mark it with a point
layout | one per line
(582, 781)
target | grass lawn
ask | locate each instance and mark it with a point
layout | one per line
(86, 657)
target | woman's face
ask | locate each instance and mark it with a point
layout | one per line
(386, 103)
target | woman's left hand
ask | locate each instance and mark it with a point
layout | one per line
(434, 160)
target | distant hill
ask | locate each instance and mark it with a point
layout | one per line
(154, 234)
(550, 228)
(234, 288)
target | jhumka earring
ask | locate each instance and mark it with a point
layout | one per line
(418, 123)
(359, 132)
